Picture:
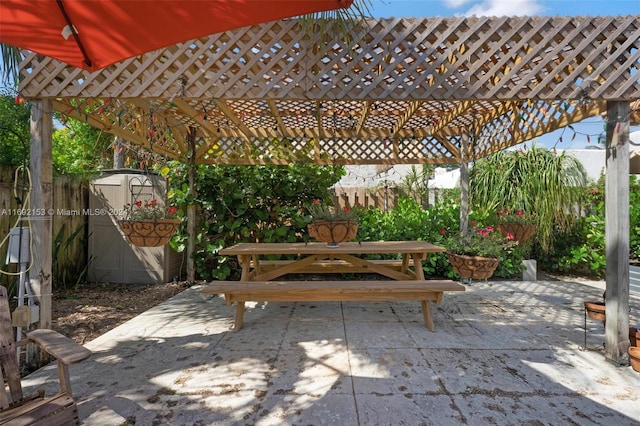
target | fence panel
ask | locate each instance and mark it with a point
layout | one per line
(69, 220)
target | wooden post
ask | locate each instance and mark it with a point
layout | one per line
(464, 183)
(617, 232)
(191, 208)
(41, 199)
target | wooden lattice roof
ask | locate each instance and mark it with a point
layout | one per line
(403, 92)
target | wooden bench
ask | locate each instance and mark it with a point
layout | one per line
(35, 408)
(331, 291)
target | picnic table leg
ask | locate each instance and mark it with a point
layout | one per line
(417, 266)
(239, 316)
(426, 313)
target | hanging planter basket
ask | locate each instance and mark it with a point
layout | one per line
(149, 233)
(520, 232)
(474, 267)
(333, 232)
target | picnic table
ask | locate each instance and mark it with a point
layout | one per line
(407, 280)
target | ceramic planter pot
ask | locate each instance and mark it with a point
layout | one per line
(333, 232)
(595, 310)
(634, 358)
(475, 267)
(149, 233)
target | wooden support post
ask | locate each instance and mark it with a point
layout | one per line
(41, 198)
(191, 208)
(617, 232)
(464, 183)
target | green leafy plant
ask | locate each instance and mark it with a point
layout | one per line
(484, 242)
(246, 204)
(536, 180)
(148, 210)
(322, 211)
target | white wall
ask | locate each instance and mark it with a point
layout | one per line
(371, 176)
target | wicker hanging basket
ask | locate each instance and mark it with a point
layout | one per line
(333, 232)
(149, 233)
(475, 267)
(519, 231)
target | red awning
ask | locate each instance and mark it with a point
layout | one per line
(109, 31)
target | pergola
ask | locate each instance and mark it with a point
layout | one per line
(402, 91)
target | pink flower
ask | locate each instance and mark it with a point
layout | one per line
(519, 213)
(510, 236)
(490, 229)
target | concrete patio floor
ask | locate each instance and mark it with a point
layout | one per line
(503, 353)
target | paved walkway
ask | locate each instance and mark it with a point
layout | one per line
(503, 353)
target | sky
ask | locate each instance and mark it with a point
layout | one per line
(426, 8)
(562, 139)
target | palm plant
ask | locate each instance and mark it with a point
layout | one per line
(340, 22)
(10, 62)
(536, 180)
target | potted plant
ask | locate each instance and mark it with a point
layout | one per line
(147, 224)
(516, 224)
(332, 225)
(477, 253)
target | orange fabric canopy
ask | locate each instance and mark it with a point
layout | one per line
(109, 31)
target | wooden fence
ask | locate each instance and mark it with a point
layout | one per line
(69, 222)
(382, 198)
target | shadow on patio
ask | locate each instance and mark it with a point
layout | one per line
(504, 352)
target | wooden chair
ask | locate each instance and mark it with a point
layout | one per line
(36, 409)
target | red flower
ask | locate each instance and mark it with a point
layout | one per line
(172, 210)
(346, 209)
(316, 201)
(443, 231)
(138, 203)
(519, 213)
(474, 223)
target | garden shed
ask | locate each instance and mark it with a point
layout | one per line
(111, 258)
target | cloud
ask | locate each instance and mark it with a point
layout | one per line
(503, 8)
(456, 3)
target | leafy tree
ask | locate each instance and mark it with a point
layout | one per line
(536, 181)
(81, 150)
(14, 130)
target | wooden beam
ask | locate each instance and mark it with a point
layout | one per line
(616, 336)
